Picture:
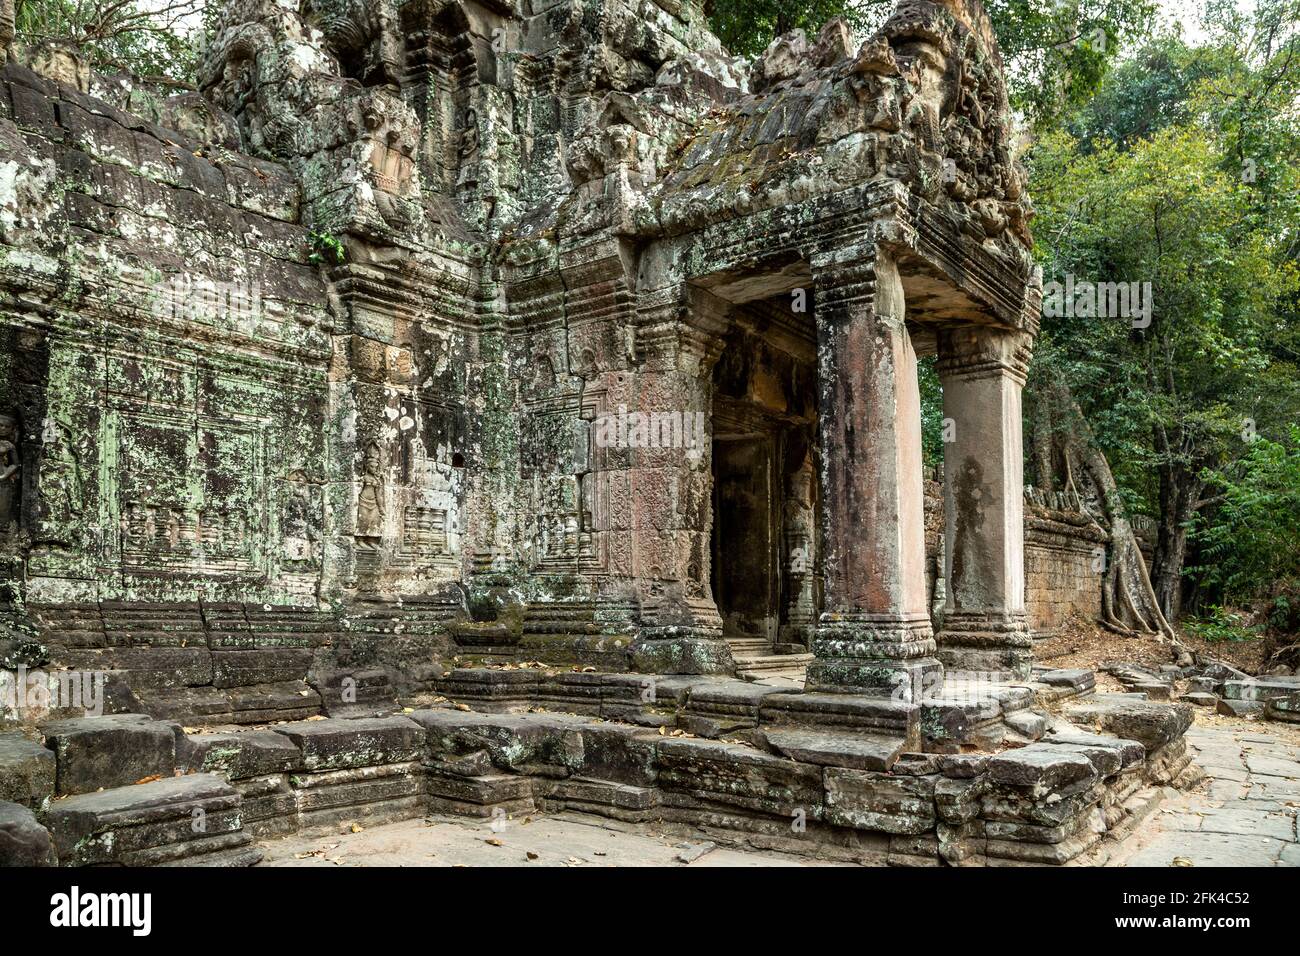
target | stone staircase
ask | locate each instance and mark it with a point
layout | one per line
(757, 659)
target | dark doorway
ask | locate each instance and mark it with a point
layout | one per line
(745, 541)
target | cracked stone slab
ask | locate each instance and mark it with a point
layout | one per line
(858, 751)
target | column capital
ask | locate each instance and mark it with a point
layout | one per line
(978, 351)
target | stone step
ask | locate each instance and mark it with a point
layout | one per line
(26, 770)
(772, 662)
(23, 841)
(110, 751)
(189, 819)
(1053, 646)
(856, 751)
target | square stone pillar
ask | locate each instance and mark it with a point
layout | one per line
(982, 371)
(671, 486)
(874, 633)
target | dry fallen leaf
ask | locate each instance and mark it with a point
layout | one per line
(530, 854)
(150, 779)
(493, 841)
(357, 828)
(1181, 861)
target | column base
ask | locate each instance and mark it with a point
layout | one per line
(866, 654)
(988, 644)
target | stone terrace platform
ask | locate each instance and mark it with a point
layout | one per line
(1038, 772)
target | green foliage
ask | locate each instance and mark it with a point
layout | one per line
(147, 39)
(1253, 537)
(326, 249)
(931, 412)
(1223, 625)
(1184, 172)
(1056, 51)
(746, 27)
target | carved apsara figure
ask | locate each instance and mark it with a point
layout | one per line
(370, 500)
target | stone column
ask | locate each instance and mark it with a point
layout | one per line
(874, 633)
(982, 371)
(670, 472)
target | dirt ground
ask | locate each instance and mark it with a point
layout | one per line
(1084, 643)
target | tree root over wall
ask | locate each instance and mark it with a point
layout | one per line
(1066, 459)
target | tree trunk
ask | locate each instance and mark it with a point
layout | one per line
(1179, 490)
(1129, 603)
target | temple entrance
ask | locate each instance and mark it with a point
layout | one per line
(764, 568)
(746, 551)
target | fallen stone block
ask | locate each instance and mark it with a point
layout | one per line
(1027, 724)
(166, 821)
(27, 770)
(23, 841)
(1041, 769)
(1239, 708)
(1153, 724)
(1286, 709)
(1078, 679)
(1260, 688)
(110, 751)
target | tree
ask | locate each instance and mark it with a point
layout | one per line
(1175, 401)
(150, 40)
(1056, 51)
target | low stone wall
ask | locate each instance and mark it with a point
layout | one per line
(1063, 554)
(860, 779)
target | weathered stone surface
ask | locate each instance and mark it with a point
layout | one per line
(334, 744)
(1075, 678)
(110, 751)
(379, 791)
(1152, 724)
(829, 749)
(166, 821)
(239, 755)
(23, 841)
(878, 801)
(27, 770)
(1041, 769)
(549, 744)
(719, 772)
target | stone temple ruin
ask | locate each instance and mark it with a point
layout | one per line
(480, 406)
